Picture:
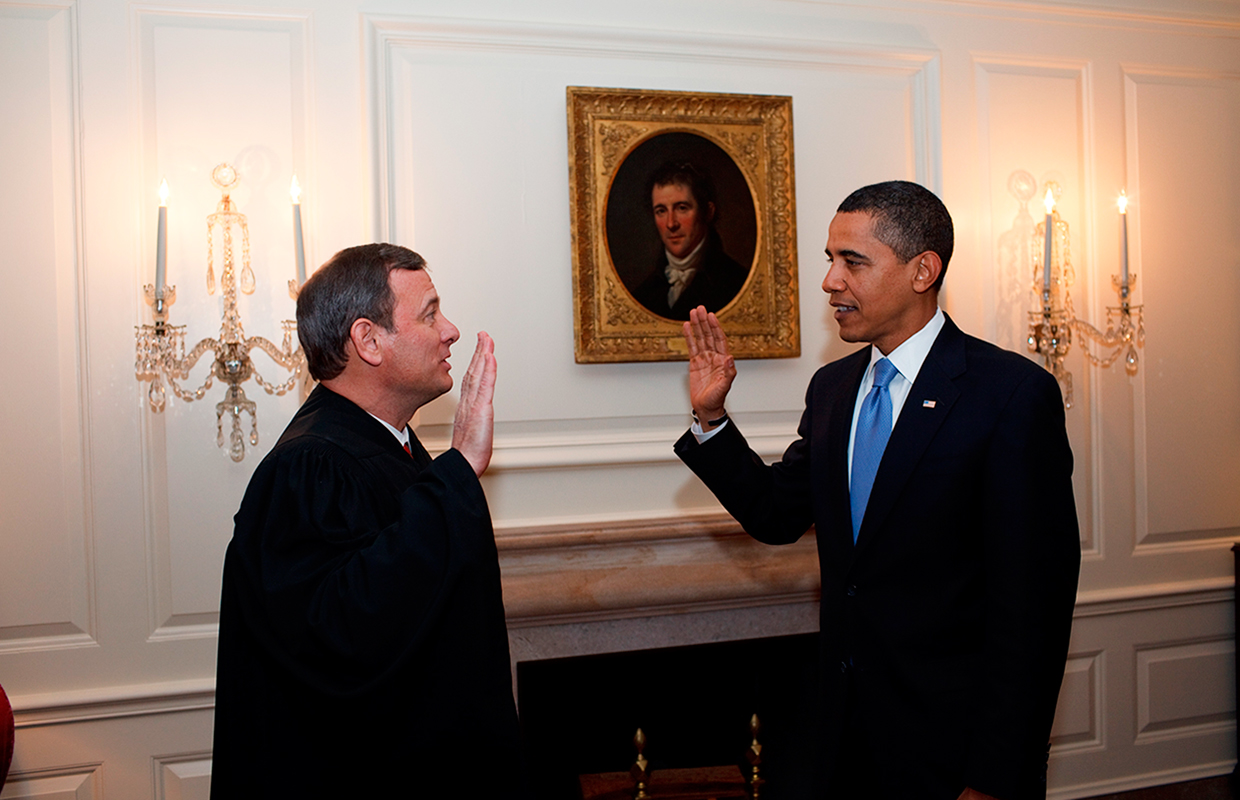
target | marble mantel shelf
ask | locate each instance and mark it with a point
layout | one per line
(675, 565)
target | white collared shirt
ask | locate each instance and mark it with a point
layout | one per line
(401, 435)
(907, 359)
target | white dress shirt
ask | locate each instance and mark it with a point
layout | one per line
(907, 359)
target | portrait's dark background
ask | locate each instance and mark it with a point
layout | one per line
(632, 240)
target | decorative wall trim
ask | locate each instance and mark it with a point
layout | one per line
(1127, 599)
(1083, 675)
(1165, 671)
(168, 622)
(112, 702)
(1193, 15)
(998, 278)
(182, 775)
(77, 781)
(689, 564)
(1142, 781)
(514, 453)
(1134, 76)
(386, 36)
(69, 411)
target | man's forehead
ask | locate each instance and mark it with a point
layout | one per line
(853, 231)
(413, 285)
(678, 188)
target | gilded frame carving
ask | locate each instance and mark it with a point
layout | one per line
(605, 127)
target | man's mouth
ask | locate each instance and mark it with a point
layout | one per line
(843, 308)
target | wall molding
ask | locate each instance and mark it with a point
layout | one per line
(706, 562)
(1133, 76)
(112, 702)
(386, 36)
(168, 619)
(1082, 14)
(69, 351)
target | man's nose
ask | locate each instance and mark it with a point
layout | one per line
(831, 282)
(450, 333)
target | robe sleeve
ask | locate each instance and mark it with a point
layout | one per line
(338, 593)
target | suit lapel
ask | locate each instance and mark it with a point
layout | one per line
(929, 402)
(839, 431)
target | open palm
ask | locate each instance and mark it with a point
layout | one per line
(711, 368)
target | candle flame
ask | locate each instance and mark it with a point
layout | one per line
(163, 192)
(1049, 200)
(1122, 202)
(295, 190)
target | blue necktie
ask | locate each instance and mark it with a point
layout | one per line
(873, 430)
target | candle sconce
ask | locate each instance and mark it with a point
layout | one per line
(161, 357)
(1052, 324)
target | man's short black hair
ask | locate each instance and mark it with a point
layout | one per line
(686, 174)
(908, 218)
(352, 285)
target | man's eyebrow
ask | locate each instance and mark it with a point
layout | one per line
(431, 302)
(852, 255)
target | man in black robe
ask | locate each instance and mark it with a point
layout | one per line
(363, 648)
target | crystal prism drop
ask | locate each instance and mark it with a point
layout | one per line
(247, 280)
(156, 395)
(210, 280)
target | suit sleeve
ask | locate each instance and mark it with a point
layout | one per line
(1031, 563)
(773, 503)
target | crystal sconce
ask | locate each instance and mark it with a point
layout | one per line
(1052, 323)
(161, 356)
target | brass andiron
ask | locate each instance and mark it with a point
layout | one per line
(640, 770)
(754, 756)
(161, 357)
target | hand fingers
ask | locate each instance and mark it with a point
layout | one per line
(717, 342)
(478, 367)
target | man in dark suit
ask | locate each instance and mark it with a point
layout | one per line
(694, 270)
(363, 650)
(936, 470)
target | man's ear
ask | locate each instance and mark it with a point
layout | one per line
(710, 213)
(929, 268)
(363, 335)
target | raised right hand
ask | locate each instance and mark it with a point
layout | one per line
(474, 427)
(711, 368)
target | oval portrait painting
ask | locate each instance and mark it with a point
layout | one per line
(682, 227)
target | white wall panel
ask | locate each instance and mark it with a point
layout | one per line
(1034, 117)
(45, 576)
(1189, 278)
(1078, 716)
(184, 777)
(217, 88)
(1169, 682)
(80, 783)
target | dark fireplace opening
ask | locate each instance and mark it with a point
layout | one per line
(692, 702)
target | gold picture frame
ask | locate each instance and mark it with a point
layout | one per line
(616, 138)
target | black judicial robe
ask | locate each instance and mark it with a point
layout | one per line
(362, 646)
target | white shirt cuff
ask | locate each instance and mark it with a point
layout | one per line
(702, 436)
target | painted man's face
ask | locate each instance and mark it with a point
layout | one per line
(681, 222)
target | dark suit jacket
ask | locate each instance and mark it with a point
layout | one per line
(718, 280)
(948, 621)
(363, 649)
